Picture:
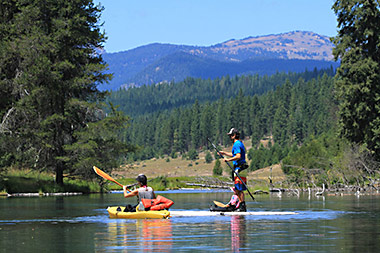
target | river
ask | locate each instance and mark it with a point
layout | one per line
(346, 223)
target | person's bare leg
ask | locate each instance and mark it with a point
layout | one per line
(240, 195)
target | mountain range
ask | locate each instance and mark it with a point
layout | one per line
(264, 55)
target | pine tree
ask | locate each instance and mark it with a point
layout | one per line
(184, 132)
(208, 157)
(167, 132)
(357, 45)
(281, 117)
(217, 170)
(99, 143)
(256, 118)
(219, 119)
(49, 62)
(195, 126)
(206, 124)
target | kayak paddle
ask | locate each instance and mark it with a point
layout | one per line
(105, 175)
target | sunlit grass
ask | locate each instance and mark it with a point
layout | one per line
(30, 181)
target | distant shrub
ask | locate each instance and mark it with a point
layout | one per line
(192, 154)
(217, 170)
(208, 157)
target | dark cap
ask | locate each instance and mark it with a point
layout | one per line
(233, 131)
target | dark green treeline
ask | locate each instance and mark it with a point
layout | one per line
(166, 96)
(291, 113)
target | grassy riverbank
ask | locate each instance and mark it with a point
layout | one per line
(163, 173)
(28, 181)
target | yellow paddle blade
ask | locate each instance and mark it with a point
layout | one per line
(219, 204)
(105, 175)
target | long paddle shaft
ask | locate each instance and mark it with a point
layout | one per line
(106, 176)
(237, 174)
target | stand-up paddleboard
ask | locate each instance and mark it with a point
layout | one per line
(208, 213)
(117, 212)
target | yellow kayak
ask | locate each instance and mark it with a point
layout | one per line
(112, 211)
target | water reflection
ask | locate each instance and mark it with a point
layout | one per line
(145, 234)
(81, 224)
(238, 233)
(155, 234)
(59, 203)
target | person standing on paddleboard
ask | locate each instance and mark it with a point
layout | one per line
(237, 157)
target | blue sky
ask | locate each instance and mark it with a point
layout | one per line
(133, 23)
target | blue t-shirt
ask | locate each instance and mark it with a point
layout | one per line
(237, 148)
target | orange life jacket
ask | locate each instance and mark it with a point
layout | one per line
(237, 180)
(159, 203)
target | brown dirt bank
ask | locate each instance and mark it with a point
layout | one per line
(180, 167)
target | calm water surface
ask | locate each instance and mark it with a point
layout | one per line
(81, 224)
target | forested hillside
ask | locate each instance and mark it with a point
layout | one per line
(167, 96)
(296, 116)
(179, 66)
(295, 110)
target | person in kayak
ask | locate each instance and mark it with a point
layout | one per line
(237, 157)
(231, 206)
(143, 192)
(146, 197)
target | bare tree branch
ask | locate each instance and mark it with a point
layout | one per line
(4, 126)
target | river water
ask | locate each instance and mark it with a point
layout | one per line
(81, 224)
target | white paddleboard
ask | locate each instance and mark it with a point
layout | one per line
(208, 213)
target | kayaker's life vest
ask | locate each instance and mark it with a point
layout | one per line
(145, 192)
(159, 203)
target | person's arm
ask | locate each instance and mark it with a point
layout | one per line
(226, 153)
(131, 194)
(236, 157)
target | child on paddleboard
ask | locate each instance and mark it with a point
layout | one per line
(146, 197)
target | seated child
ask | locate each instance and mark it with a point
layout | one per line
(230, 206)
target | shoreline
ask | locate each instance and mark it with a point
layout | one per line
(276, 191)
(36, 194)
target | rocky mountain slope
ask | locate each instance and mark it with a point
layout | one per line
(155, 63)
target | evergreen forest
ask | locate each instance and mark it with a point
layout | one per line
(166, 96)
(294, 110)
